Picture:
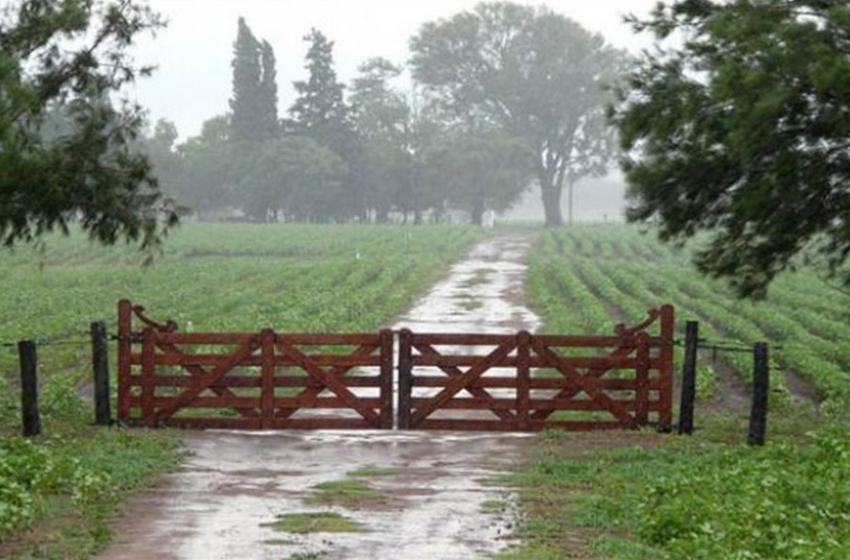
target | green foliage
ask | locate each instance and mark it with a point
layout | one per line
(86, 474)
(741, 130)
(66, 148)
(484, 171)
(789, 501)
(645, 496)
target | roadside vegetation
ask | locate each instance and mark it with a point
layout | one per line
(634, 496)
(58, 491)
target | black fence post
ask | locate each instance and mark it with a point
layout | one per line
(761, 388)
(689, 379)
(100, 367)
(29, 388)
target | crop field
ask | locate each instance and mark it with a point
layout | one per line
(586, 279)
(221, 277)
(662, 497)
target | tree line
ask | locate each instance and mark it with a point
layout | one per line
(735, 123)
(503, 95)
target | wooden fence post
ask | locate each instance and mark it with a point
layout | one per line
(29, 388)
(100, 367)
(761, 387)
(689, 375)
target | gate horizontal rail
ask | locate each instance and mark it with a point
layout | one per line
(270, 380)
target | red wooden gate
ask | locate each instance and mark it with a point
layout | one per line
(269, 380)
(500, 382)
(254, 381)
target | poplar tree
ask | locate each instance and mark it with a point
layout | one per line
(254, 101)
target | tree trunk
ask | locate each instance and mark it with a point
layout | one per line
(551, 196)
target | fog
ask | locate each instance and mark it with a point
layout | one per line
(193, 54)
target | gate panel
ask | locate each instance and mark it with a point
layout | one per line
(499, 382)
(252, 381)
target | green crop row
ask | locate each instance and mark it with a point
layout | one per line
(626, 272)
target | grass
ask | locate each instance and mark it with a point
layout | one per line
(315, 522)
(350, 494)
(68, 487)
(638, 495)
(368, 472)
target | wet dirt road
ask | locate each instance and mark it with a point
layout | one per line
(220, 503)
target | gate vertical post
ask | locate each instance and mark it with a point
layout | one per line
(30, 416)
(642, 379)
(148, 373)
(386, 379)
(100, 367)
(689, 374)
(665, 367)
(761, 388)
(405, 378)
(267, 351)
(523, 375)
(125, 348)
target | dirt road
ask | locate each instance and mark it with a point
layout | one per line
(434, 505)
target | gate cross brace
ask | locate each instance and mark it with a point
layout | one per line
(329, 381)
(454, 371)
(313, 392)
(197, 371)
(459, 382)
(584, 383)
(208, 378)
(591, 373)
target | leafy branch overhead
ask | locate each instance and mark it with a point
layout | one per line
(65, 143)
(738, 125)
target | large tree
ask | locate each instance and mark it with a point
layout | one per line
(742, 128)
(254, 102)
(537, 74)
(69, 58)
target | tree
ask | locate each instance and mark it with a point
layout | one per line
(70, 58)
(210, 166)
(321, 114)
(483, 171)
(742, 130)
(535, 73)
(381, 118)
(254, 102)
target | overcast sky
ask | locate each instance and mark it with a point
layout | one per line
(193, 54)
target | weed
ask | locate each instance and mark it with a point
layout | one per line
(315, 522)
(347, 493)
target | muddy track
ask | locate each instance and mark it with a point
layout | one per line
(435, 502)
